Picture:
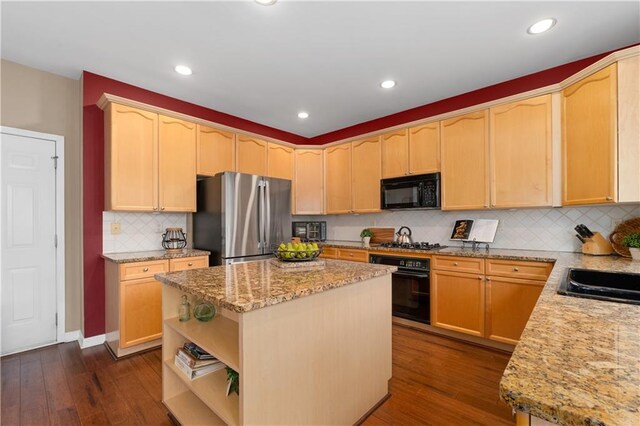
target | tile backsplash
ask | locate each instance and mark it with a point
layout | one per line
(534, 229)
(139, 231)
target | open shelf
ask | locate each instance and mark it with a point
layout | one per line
(189, 410)
(219, 337)
(211, 390)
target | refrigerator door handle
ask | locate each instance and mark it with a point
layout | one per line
(267, 213)
(261, 214)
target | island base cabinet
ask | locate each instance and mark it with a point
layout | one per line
(510, 302)
(320, 359)
(457, 302)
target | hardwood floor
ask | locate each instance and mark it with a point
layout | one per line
(436, 381)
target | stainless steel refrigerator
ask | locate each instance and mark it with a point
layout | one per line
(241, 217)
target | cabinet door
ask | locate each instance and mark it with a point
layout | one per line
(457, 302)
(510, 302)
(140, 311)
(131, 159)
(338, 178)
(629, 130)
(366, 175)
(589, 139)
(520, 146)
(308, 183)
(395, 154)
(464, 152)
(424, 149)
(216, 151)
(279, 161)
(177, 165)
(251, 155)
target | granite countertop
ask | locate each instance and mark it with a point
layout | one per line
(142, 256)
(243, 287)
(578, 360)
(510, 254)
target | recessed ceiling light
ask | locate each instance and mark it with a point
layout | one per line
(303, 115)
(183, 69)
(542, 26)
(387, 84)
(266, 2)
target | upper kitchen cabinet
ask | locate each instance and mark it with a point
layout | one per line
(629, 130)
(589, 139)
(521, 153)
(395, 154)
(216, 151)
(337, 163)
(279, 161)
(131, 159)
(308, 184)
(365, 175)
(424, 148)
(464, 150)
(251, 155)
(176, 165)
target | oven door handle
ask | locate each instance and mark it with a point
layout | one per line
(411, 274)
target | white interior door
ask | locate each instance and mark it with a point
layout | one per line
(28, 228)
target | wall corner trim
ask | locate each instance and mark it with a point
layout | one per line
(87, 342)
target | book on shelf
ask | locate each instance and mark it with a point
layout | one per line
(193, 362)
(192, 373)
(197, 352)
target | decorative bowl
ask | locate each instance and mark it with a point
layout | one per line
(297, 253)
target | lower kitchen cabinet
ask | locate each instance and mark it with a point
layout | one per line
(457, 302)
(510, 302)
(354, 255)
(133, 310)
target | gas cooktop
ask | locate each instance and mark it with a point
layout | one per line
(415, 246)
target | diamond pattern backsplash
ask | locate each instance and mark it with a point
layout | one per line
(534, 229)
(139, 231)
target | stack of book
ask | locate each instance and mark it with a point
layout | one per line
(195, 362)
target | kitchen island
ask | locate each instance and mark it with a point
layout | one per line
(311, 345)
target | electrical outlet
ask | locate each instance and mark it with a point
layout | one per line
(115, 228)
(159, 228)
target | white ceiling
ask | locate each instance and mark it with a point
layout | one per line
(267, 63)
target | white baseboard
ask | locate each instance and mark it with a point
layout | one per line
(71, 336)
(87, 342)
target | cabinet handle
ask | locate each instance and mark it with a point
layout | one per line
(609, 198)
(455, 263)
(480, 277)
(155, 208)
(515, 269)
(488, 279)
(161, 208)
(190, 264)
(145, 270)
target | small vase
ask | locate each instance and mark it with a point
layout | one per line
(635, 253)
(366, 241)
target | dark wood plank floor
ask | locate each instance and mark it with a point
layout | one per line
(436, 381)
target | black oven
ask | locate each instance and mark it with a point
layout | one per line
(411, 192)
(410, 287)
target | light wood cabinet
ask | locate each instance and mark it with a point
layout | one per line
(133, 302)
(329, 252)
(510, 302)
(337, 162)
(464, 150)
(521, 153)
(395, 153)
(176, 165)
(424, 148)
(131, 159)
(353, 255)
(589, 126)
(308, 184)
(365, 175)
(629, 130)
(279, 161)
(150, 161)
(251, 155)
(457, 302)
(215, 151)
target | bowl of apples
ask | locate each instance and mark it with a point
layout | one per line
(297, 252)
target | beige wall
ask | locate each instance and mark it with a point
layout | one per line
(43, 102)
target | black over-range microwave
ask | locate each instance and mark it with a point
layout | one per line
(411, 192)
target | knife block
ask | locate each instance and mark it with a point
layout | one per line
(597, 246)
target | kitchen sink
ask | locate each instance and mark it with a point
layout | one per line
(622, 287)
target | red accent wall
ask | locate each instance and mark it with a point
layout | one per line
(93, 150)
